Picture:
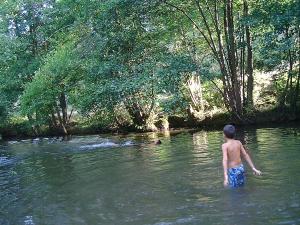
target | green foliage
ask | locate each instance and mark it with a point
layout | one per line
(123, 62)
(59, 74)
(276, 27)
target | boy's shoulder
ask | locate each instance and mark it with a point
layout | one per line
(238, 142)
(226, 144)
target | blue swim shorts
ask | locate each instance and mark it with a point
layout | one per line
(236, 176)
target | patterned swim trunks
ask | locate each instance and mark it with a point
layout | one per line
(236, 176)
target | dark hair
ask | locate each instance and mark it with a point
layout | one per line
(229, 131)
(158, 142)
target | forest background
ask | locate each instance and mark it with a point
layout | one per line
(87, 66)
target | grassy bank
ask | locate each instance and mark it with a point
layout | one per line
(274, 117)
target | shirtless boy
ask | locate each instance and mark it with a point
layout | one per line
(234, 172)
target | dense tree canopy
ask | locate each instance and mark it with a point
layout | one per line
(125, 63)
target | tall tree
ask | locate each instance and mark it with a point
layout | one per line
(216, 24)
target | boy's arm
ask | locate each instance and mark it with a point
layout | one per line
(225, 164)
(249, 161)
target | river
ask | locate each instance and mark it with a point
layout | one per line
(112, 180)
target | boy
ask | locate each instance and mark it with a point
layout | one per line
(232, 163)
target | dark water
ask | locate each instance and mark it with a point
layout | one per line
(94, 180)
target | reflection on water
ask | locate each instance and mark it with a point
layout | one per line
(120, 180)
(200, 143)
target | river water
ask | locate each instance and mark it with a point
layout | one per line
(113, 180)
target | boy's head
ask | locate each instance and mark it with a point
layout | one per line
(229, 131)
(157, 142)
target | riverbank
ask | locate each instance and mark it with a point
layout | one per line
(267, 118)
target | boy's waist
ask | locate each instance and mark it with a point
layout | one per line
(236, 165)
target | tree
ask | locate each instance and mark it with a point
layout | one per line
(278, 44)
(221, 33)
(126, 65)
(45, 96)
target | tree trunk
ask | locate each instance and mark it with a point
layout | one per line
(33, 127)
(232, 60)
(242, 64)
(249, 67)
(139, 113)
(63, 105)
(136, 113)
(297, 89)
(53, 118)
(284, 94)
(296, 93)
(64, 129)
(291, 63)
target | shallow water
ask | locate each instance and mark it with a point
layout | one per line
(117, 180)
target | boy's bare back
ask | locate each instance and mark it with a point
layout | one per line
(234, 150)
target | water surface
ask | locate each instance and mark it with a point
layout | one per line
(113, 180)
